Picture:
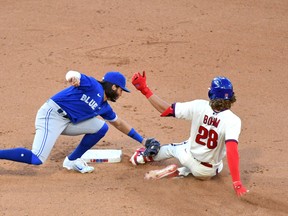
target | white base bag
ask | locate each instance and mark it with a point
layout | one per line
(102, 156)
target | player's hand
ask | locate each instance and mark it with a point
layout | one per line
(139, 81)
(239, 188)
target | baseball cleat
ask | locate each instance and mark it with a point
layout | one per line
(78, 165)
(169, 171)
(138, 158)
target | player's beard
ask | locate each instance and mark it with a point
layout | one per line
(112, 95)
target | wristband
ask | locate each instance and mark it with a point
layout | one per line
(170, 111)
(237, 185)
(133, 134)
(147, 92)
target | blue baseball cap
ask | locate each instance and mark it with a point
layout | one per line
(116, 78)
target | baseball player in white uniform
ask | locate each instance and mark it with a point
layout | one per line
(214, 133)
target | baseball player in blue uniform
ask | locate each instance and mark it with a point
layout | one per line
(73, 111)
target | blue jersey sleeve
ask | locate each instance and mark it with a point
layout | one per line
(109, 115)
(86, 81)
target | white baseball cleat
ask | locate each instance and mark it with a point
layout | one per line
(138, 158)
(169, 171)
(78, 165)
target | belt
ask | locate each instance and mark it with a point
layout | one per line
(60, 111)
(206, 164)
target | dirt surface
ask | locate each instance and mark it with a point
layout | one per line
(182, 45)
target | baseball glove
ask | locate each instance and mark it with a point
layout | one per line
(152, 147)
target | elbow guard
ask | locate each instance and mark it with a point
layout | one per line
(71, 74)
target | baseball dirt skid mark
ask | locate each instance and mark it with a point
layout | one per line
(165, 42)
(105, 143)
(5, 132)
(268, 203)
(102, 53)
(256, 169)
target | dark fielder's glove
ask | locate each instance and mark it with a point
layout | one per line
(152, 147)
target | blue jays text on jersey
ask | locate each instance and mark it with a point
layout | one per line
(84, 102)
(92, 103)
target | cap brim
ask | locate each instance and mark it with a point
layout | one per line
(125, 89)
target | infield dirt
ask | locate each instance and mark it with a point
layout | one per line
(181, 45)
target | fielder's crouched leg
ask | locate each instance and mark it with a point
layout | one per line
(138, 158)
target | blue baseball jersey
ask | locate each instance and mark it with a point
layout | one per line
(84, 102)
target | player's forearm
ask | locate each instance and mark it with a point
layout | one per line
(122, 126)
(233, 159)
(233, 163)
(139, 81)
(125, 128)
(158, 103)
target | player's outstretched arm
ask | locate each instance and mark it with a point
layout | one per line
(233, 163)
(139, 81)
(125, 128)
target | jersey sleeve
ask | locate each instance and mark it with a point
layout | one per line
(109, 115)
(185, 110)
(110, 119)
(86, 81)
(233, 129)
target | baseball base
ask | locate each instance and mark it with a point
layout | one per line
(102, 156)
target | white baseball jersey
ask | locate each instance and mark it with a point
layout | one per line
(209, 130)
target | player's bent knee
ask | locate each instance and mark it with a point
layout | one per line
(103, 130)
(185, 160)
